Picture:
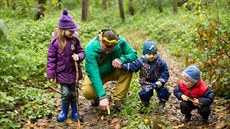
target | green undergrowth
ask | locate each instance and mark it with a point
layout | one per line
(24, 44)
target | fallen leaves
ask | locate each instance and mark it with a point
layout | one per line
(178, 126)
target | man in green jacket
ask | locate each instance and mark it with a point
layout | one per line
(104, 56)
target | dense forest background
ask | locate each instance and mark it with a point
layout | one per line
(192, 31)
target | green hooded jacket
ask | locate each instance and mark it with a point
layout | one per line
(99, 65)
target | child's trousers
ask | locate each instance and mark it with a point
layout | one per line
(187, 106)
(68, 93)
(123, 79)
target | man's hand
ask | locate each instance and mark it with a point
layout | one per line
(184, 97)
(104, 105)
(116, 63)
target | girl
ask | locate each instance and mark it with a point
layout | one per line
(64, 51)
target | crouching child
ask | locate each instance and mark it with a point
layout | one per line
(154, 74)
(194, 94)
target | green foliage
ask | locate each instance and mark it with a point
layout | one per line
(37, 104)
(3, 31)
(24, 44)
(25, 51)
(132, 107)
(18, 9)
(23, 63)
(213, 42)
(34, 104)
(71, 4)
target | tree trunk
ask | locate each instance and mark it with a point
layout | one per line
(41, 9)
(109, 3)
(174, 7)
(13, 5)
(85, 10)
(131, 7)
(122, 13)
(104, 4)
(2, 6)
(59, 4)
(160, 6)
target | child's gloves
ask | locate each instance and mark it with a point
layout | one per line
(153, 85)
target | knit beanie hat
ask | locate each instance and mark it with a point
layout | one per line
(67, 22)
(192, 73)
(149, 46)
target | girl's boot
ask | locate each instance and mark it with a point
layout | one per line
(63, 115)
(74, 110)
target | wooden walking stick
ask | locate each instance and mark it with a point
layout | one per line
(77, 97)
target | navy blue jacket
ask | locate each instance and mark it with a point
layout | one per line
(205, 100)
(150, 72)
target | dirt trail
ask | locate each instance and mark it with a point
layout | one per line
(96, 119)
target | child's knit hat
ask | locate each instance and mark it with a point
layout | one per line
(67, 22)
(149, 46)
(192, 73)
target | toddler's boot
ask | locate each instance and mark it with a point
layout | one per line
(206, 120)
(63, 115)
(74, 110)
(186, 118)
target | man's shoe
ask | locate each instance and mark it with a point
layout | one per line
(185, 118)
(118, 104)
(207, 120)
(95, 102)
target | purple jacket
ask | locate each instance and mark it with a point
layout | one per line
(60, 64)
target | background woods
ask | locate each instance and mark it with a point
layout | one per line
(191, 31)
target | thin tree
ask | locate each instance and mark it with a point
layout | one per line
(104, 4)
(131, 7)
(109, 3)
(41, 9)
(174, 7)
(59, 4)
(122, 13)
(160, 6)
(85, 10)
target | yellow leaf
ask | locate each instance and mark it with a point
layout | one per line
(215, 22)
(71, 125)
(146, 121)
(216, 102)
(179, 126)
(102, 117)
(69, 121)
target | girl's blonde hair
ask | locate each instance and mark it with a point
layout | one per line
(60, 34)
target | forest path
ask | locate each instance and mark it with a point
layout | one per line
(97, 119)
